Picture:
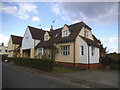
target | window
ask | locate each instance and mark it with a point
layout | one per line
(92, 51)
(86, 33)
(56, 35)
(5, 50)
(46, 37)
(65, 50)
(40, 51)
(65, 33)
(82, 50)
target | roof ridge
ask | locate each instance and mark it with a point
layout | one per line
(16, 36)
(36, 28)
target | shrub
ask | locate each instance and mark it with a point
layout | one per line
(44, 64)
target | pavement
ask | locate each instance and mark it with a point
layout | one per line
(85, 78)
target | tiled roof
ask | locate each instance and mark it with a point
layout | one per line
(90, 42)
(16, 39)
(74, 29)
(36, 33)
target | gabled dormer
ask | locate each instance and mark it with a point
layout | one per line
(65, 31)
(46, 36)
(86, 32)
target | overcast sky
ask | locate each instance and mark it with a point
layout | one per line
(102, 17)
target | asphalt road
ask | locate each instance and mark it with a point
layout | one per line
(17, 78)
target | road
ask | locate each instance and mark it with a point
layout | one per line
(17, 78)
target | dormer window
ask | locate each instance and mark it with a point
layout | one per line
(86, 33)
(65, 33)
(46, 37)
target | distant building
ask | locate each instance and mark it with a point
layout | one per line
(3, 49)
(14, 46)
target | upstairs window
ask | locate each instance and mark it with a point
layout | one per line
(92, 51)
(86, 33)
(82, 50)
(46, 37)
(65, 50)
(65, 33)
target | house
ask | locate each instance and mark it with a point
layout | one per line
(3, 50)
(14, 46)
(31, 38)
(75, 46)
(70, 45)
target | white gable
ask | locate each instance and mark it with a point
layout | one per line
(82, 33)
(28, 41)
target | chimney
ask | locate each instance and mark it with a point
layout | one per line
(2, 44)
(51, 28)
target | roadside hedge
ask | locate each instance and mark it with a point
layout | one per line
(43, 64)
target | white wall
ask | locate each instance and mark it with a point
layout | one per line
(27, 43)
(83, 58)
(95, 57)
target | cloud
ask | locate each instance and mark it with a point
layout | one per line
(4, 39)
(20, 9)
(111, 40)
(94, 12)
(36, 19)
(112, 49)
(111, 43)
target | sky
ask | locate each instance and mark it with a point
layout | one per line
(102, 17)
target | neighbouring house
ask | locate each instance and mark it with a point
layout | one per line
(3, 50)
(70, 45)
(31, 38)
(14, 46)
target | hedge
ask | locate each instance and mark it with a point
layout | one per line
(43, 64)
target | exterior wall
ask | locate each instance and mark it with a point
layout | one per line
(61, 58)
(94, 58)
(78, 57)
(28, 41)
(11, 48)
(32, 53)
(83, 59)
(65, 28)
(89, 33)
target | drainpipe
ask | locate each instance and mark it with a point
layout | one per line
(88, 58)
(74, 54)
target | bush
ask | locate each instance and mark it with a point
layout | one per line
(44, 64)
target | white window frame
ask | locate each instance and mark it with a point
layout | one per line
(65, 33)
(40, 51)
(65, 50)
(86, 33)
(82, 50)
(92, 51)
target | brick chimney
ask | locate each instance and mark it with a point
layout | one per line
(51, 28)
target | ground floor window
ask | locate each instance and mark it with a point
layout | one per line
(82, 50)
(92, 51)
(40, 51)
(65, 50)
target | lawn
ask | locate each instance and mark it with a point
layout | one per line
(62, 69)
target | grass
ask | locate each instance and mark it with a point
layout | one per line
(61, 69)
